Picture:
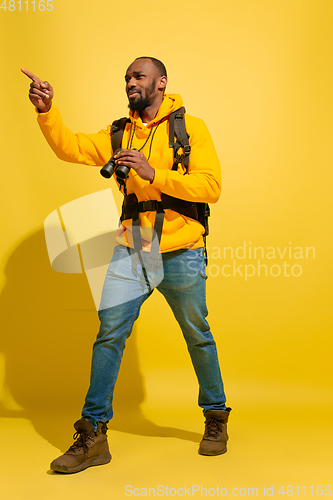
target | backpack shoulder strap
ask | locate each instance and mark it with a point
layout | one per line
(117, 131)
(177, 128)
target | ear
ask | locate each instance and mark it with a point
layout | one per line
(162, 83)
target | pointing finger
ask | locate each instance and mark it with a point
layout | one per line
(30, 75)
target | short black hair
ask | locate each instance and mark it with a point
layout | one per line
(157, 63)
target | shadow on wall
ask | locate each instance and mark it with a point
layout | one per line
(49, 324)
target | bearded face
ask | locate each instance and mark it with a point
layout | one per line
(140, 98)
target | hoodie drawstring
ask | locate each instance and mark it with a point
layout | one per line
(130, 139)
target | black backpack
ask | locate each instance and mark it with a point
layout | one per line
(178, 138)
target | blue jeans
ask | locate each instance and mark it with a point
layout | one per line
(181, 278)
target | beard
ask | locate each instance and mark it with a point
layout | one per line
(142, 101)
(139, 104)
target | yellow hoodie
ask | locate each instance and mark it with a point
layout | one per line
(201, 184)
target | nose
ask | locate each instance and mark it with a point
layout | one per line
(130, 83)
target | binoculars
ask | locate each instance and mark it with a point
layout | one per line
(111, 167)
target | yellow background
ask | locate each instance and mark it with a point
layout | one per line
(259, 72)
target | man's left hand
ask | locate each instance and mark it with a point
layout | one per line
(136, 160)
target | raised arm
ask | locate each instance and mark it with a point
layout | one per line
(89, 149)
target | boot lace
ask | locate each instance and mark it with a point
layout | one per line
(213, 428)
(81, 441)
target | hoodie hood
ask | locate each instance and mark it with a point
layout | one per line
(170, 103)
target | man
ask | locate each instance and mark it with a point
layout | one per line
(131, 278)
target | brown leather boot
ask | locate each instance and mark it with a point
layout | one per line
(90, 448)
(214, 441)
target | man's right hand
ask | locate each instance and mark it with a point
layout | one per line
(40, 93)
